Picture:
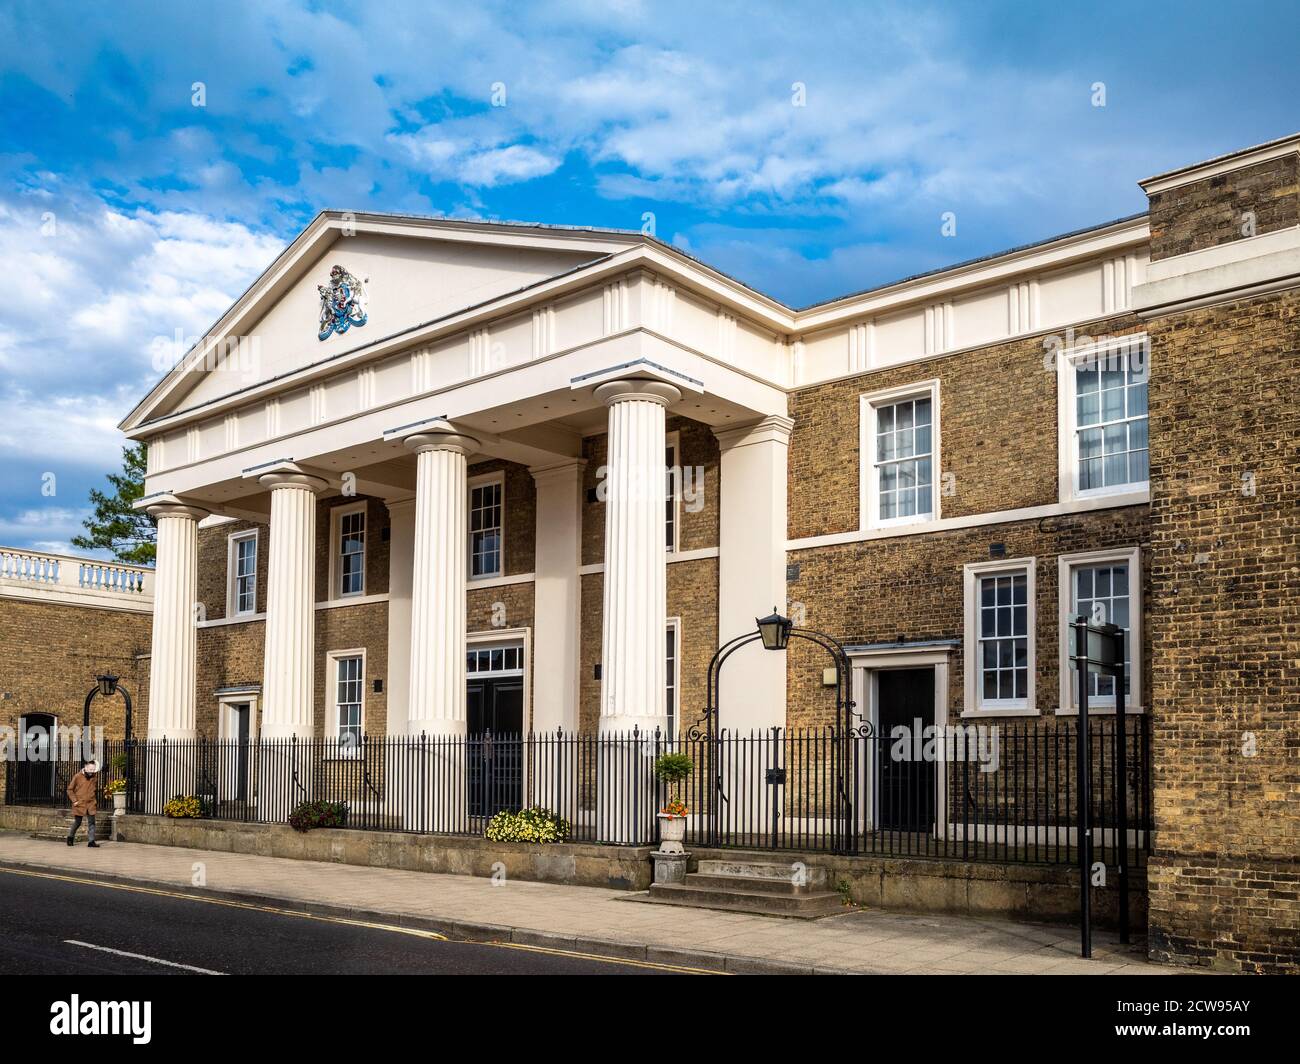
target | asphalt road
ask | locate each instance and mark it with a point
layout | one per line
(61, 925)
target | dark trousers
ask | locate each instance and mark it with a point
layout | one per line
(90, 827)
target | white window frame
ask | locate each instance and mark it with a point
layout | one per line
(674, 677)
(1066, 564)
(868, 482)
(673, 442)
(499, 477)
(1067, 444)
(232, 571)
(972, 664)
(336, 546)
(332, 697)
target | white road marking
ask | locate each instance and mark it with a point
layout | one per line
(141, 957)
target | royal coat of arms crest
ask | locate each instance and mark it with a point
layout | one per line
(342, 303)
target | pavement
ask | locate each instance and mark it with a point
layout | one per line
(591, 921)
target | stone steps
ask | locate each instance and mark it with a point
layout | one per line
(739, 898)
(812, 877)
(60, 823)
(753, 886)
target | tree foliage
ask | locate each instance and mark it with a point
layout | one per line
(130, 534)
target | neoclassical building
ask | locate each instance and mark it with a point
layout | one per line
(437, 476)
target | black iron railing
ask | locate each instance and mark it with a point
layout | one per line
(1005, 791)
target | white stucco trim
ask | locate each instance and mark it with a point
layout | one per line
(1223, 164)
(1067, 438)
(971, 573)
(331, 730)
(996, 517)
(868, 495)
(1066, 706)
(522, 637)
(337, 513)
(671, 557)
(867, 663)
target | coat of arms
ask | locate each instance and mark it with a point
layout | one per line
(342, 303)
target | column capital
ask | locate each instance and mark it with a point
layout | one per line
(771, 429)
(440, 441)
(166, 504)
(624, 391)
(287, 479)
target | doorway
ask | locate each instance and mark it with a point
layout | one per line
(495, 726)
(905, 780)
(241, 719)
(34, 773)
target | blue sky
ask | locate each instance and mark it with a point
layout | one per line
(128, 214)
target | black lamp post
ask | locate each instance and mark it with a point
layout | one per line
(775, 631)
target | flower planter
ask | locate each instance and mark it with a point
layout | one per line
(119, 803)
(672, 830)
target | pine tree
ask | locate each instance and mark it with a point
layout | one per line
(115, 526)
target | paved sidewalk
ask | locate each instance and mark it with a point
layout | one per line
(601, 921)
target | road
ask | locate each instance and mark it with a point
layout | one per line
(65, 925)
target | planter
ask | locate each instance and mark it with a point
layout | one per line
(672, 830)
(119, 804)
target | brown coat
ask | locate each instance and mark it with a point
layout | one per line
(81, 792)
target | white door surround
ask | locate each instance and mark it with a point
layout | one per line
(867, 663)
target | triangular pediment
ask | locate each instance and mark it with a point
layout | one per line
(397, 274)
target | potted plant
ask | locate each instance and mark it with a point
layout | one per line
(117, 789)
(671, 769)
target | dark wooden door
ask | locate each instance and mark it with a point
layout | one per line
(496, 764)
(905, 782)
(242, 713)
(34, 774)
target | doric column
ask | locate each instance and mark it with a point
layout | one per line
(288, 673)
(174, 648)
(436, 695)
(751, 566)
(632, 665)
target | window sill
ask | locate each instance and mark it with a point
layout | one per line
(1099, 711)
(1000, 711)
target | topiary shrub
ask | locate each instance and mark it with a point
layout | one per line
(318, 814)
(528, 825)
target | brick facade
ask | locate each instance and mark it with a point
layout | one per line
(1214, 211)
(53, 654)
(1225, 622)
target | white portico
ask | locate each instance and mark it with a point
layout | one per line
(475, 344)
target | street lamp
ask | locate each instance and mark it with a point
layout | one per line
(107, 685)
(774, 630)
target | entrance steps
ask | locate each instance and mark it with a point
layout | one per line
(765, 887)
(60, 823)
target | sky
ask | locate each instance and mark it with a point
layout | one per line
(155, 157)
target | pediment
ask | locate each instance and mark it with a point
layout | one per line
(392, 275)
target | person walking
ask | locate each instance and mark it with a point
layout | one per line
(81, 792)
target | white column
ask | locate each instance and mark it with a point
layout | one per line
(401, 548)
(173, 650)
(436, 697)
(635, 615)
(288, 672)
(751, 567)
(557, 593)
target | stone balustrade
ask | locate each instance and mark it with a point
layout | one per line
(79, 581)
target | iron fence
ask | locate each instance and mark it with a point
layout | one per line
(1004, 792)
